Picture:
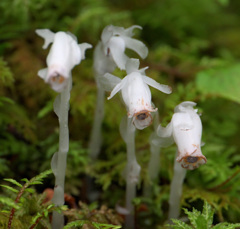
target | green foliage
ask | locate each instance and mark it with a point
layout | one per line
(26, 203)
(81, 223)
(193, 47)
(200, 220)
(221, 82)
(6, 76)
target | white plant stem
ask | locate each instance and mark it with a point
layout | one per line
(176, 190)
(96, 136)
(153, 168)
(132, 169)
(154, 162)
(59, 160)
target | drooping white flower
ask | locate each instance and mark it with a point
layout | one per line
(110, 52)
(186, 130)
(64, 54)
(136, 93)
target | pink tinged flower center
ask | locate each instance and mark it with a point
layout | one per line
(191, 159)
(58, 79)
(190, 162)
(142, 115)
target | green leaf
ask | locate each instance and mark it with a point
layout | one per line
(36, 182)
(13, 182)
(201, 222)
(193, 216)
(30, 190)
(5, 211)
(226, 226)
(25, 180)
(222, 82)
(8, 202)
(10, 188)
(179, 224)
(76, 223)
(208, 213)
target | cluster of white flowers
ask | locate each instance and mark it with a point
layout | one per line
(134, 86)
(185, 128)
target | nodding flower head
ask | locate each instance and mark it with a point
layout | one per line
(116, 39)
(64, 54)
(137, 95)
(187, 132)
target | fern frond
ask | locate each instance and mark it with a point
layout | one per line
(45, 213)
(80, 223)
(179, 224)
(39, 178)
(9, 202)
(13, 182)
(5, 73)
(226, 226)
(9, 188)
(35, 180)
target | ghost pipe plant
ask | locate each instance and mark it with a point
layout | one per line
(64, 54)
(153, 164)
(136, 93)
(176, 190)
(132, 170)
(114, 41)
(109, 54)
(185, 129)
(137, 98)
(156, 145)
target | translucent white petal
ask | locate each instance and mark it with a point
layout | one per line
(129, 31)
(108, 81)
(107, 33)
(164, 136)
(184, 106)
(165, 132)
(83, 48)
(118, 87)
(161, 87)
(102, 63)
(72, 35)
(136, 45)
(132, 65)
(43, 73)
(47, 35)
(142, 70)
(117, 48)
(141, 124)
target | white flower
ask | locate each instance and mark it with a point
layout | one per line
(136, 93)
(114, 41)
(64, 54)
(186, 130)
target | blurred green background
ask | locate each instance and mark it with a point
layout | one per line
(193, 47)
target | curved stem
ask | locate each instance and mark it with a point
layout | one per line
(176, 190)
(96, 139)
(153, 168)
(59, 160)
(132, 169)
